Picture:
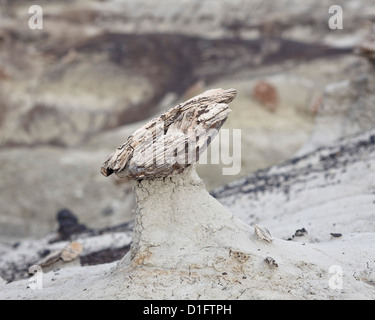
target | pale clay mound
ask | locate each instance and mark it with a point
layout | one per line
(208, 253)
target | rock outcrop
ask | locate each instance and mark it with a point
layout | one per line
(347, 107)
(194, 248)
(75, 90)
(322, 190)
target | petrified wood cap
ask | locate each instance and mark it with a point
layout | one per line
(172, 141)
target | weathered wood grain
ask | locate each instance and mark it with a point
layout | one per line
(172, 141)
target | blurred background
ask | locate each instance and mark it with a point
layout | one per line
(70, 93)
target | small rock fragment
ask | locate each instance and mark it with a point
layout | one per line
(300, 232)
(263, 233)
(50, 259)
(271, 262)
(71, 251)
(266, 94)
(68, 224)
(336, 235)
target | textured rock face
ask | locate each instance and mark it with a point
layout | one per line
(320, 190)
(347, 108)
(65, 102)
(179, 225)
(99, 65)
(187, 245)
(194, 248)
(172, 141)
(97, 247)
(48, 179)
